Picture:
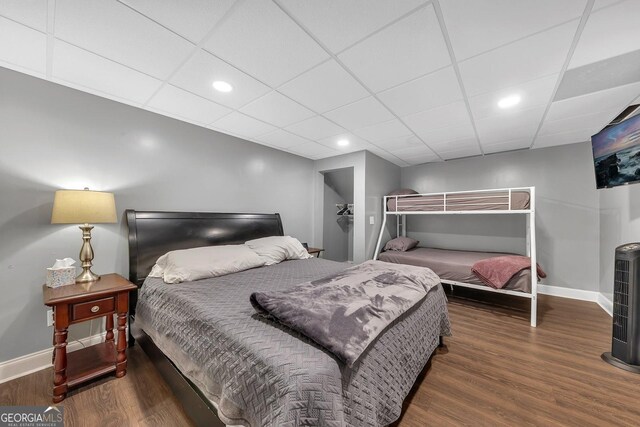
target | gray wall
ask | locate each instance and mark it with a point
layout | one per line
(382, 177)
(619, 223)
(373, 178)
(337, 234)
(356, 161)
(567, 209)
(53, 137)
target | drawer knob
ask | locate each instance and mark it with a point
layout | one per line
(95, 309)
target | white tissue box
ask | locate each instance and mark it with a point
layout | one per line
(57, 277)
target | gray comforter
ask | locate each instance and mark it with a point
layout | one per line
(344, 312)
(260, 373)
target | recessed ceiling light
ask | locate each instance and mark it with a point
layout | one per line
(343, 142)
(509, 101)
(222, 86)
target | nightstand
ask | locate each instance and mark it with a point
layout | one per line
(315, 251)
(78, 303)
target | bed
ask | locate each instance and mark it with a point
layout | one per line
(454, 266)
(228, 365)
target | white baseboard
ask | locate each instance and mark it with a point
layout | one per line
(605, 303)
(24, 365)
(578, 294)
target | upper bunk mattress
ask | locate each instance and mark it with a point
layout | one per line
(454, 265)
(259, 372)
(489, 201)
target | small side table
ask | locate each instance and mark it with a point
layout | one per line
(315, 251)
(78, 303)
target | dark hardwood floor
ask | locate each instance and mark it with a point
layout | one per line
(494, 371)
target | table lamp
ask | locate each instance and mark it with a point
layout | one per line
(84, 207)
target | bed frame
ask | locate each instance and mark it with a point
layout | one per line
(504, 208)
(151, 235)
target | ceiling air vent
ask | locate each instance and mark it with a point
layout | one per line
(631, 110)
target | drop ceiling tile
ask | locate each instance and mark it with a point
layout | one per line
(409, 152)
(282, 139)
(595, 121)
(99, 75)
(192, 21)
(399, 142)
(359, 114)
(599, 4)
(355, 143)
(460, 153)
(114, 31)
(325, 87)
(517, 144)
(533, 94)
(609, 32)
(277, 110)
(611, 99)
(181, 103)
(260, 39)
(407, 49)
(314, 150)
(32, 13)
(339, 24)
(438, 88)
(465, 143)
(383, 131)
(239, 124)
(477, 26)
(445, 116)
(525, 60)
(198, 74)
(462, 131)
(509, 126)
(315, 128)
(203, 69)
(22, 48)
(562, 138)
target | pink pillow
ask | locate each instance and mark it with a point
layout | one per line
(401, 244)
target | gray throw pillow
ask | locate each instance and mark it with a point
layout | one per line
(401, 244)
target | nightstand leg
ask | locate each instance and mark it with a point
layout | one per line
(109, 328)
(121, 358)
(60, 365)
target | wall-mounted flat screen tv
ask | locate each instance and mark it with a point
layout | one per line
(616, 154)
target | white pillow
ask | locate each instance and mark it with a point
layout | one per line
(276, 249)
(211, 261)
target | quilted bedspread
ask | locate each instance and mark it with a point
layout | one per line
(258, 372)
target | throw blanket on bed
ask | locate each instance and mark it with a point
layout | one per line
(497, 271)
(345, 312)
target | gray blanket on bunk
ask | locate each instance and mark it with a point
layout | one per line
(344, 312)
(260, 373)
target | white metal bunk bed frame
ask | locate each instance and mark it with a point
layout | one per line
(505, 209)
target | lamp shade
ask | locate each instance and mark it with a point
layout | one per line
(83, 207)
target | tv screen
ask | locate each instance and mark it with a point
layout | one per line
(616, 154)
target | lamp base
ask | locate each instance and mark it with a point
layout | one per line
(87, 276)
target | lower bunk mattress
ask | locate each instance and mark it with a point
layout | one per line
(455, 265)
(258, 372)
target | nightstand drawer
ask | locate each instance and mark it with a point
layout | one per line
(93, 308)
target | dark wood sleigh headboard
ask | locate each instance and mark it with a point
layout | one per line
(153, 234)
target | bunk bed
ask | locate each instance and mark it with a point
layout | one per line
(501, 201)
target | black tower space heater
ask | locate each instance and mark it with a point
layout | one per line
(625, 345)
